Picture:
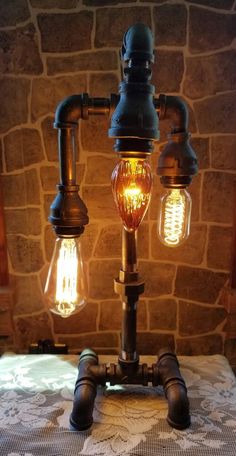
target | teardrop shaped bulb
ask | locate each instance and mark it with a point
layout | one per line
(131, 184)
(66, 285)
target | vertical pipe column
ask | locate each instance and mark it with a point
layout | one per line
(129, 297)
(129, 256)
(67, 156)
(128, 335)
(4, 276)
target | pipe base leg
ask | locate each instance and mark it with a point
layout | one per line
(81, 417)
(175, 390)
(178, 411)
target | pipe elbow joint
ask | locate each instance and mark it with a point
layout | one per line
(178, 405)
(70, 110)
(81, 417)
(174, 108)
(175, 391)
(138, 43)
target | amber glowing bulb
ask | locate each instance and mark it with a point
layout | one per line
(66, 285)
(131, 184)
(174, 217)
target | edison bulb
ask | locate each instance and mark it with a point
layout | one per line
(131, 185)
(174, 218)
(66, 286)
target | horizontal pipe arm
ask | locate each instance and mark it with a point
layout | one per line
(77, 107)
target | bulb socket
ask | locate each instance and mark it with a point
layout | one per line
(133, 147)
(176, 181)
(68, 213)
(68, 232)
(177, 162)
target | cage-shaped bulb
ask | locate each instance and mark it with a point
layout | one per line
(174, 217)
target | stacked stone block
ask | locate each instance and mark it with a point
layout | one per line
(54, 48)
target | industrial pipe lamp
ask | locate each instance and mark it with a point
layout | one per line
(135, 115)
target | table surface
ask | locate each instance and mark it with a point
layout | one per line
(36, 394)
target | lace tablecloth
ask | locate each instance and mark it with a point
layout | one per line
(36, 393)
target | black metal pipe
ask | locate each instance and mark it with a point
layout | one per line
(134, 123)
(128, 331)
(102, 106)
(119, 374)
(175, 109)
(138, 44)
(85, 392)
(67, 115)
(129, 293)
(67, 156)
(68, 213)
(165, 372)
(129, 255)
(130, 373)
(70, 110)
(175, 390)
(77, 107)
(177, 162)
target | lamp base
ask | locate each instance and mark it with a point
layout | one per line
(164, 372)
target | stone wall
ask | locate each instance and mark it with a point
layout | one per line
(53, 48)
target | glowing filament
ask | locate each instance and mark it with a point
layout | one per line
(66, 286)
(131, 184)
(174, 219)
(133, 198)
